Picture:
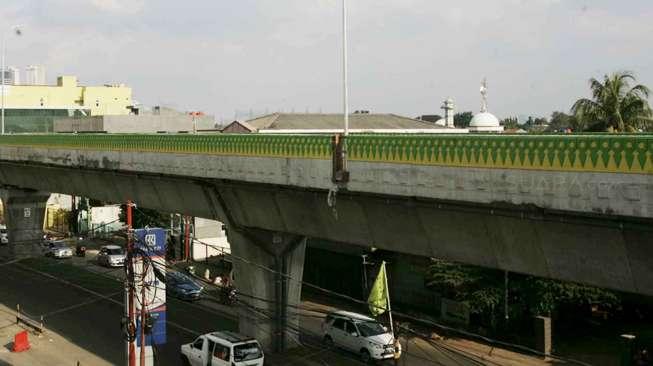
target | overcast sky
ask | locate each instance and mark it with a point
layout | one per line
(406, 56)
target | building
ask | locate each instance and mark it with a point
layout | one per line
(11, 76)
(449, 111)
(158, 120)
(331, 123)
(484, 121)
(32, 108)
(239, 127)
(115, 99)
(34, 75)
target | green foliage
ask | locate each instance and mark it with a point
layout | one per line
(142, 217)
(561, 121)
(483, 291)
(543, 296)
(615, 105)
(462, 119)
(510, 123)
(477, 287)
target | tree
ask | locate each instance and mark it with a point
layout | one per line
(510, 123)
(142, 217)
(462, 119)
(561, 121)
(482, 290)
(478, 288)
(615, 105)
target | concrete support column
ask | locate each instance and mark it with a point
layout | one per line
(24, 212)
(543, 340)
(263, 263)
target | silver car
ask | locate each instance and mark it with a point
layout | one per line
(59, 250)
(111, 256)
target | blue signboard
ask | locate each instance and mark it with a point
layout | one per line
(151, 243)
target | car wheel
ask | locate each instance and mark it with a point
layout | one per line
(365, 356)
(328, 341)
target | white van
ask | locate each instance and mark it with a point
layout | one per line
(360, 334)
(222, 349)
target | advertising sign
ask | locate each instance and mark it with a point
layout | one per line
(151, 244)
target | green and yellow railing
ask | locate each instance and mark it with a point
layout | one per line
(589, 153)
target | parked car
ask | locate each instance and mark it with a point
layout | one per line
(111, 256)
(59, 250)
(183, 287)
(4, 236)
(360, 334)
(222, 349)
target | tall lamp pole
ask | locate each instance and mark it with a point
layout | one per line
(17, 31)
(344, 67)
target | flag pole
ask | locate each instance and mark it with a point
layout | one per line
(387, 293)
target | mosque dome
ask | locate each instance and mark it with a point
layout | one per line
(484, 119)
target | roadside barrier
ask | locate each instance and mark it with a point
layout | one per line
(36, 325)
(21, 342)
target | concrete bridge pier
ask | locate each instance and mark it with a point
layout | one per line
(24, 212)
(267, 269)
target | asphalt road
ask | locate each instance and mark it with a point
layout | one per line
(92, 320)
(93, 323)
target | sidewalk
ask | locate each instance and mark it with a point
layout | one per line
(476, 350)
(47, 349)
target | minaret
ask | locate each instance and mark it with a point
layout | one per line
(484, 95)
(448, 107)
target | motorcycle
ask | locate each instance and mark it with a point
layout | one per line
(228, 295)
(80, 250)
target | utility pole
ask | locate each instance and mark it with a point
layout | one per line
(131, 351)
(143, 304)
(365, 286)
(187, 238)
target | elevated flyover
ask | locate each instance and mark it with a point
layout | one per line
(570, 207)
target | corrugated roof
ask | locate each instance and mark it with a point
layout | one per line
(296, 121)
(242, 123)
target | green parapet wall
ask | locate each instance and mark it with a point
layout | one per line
(589, 153)
(253, 145)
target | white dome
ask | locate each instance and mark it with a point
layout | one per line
(484, 119)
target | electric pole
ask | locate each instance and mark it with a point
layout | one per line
(131, 351)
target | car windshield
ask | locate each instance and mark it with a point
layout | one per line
(114, 251)
(369, 329)
(59, 245)
(180, 278)
(247, 351)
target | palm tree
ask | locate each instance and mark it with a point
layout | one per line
(615, 105)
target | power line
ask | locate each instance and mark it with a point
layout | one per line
(403, 315)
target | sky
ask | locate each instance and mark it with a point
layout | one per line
(228, 58)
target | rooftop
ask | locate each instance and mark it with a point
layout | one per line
(300, 121)
(232, 337)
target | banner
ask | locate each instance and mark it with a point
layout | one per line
(151, 244)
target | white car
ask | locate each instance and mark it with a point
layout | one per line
(59, 250)
(111, 256)
(4, 236)
(360, 334)
(223, 348)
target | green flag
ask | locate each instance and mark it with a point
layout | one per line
(378, 299)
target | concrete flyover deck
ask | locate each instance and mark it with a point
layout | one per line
(570, 207)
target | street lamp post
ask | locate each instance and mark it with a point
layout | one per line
(345, 80)
(18, 32)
